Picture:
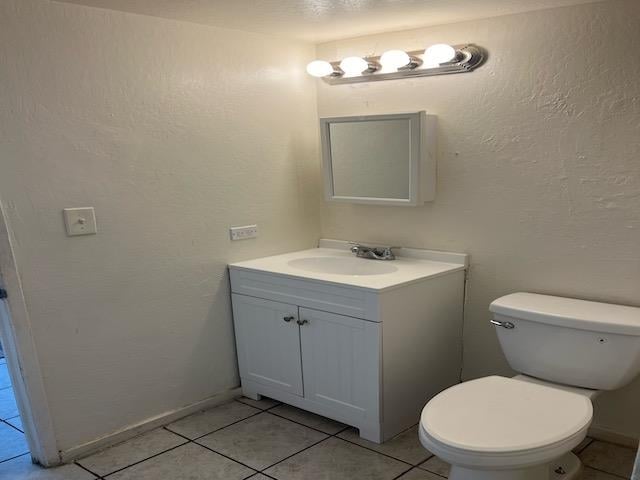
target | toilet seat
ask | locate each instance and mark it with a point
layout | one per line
(498, 422)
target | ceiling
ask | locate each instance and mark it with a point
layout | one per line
(323, 20)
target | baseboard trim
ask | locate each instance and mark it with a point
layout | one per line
(600, 433)
(149, 424)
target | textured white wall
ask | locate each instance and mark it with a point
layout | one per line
(174, 132)
(539, 165)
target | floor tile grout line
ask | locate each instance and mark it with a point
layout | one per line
(251, 476)
(255, 470)
(323, 440)
(262, 471)
(605, 471)
(266, 475)
(592, 442)
(87, 470)
(284, 459)
(12, 426)
(403, 473)
(188, 440)
(278, 404)
(97, 477)
(312, 428)
(431, 455)
(308, 426)
(294, 454)
(238, 399)
(218, 453)
(589, 443)
(279, 461)
(21, 455)
(178, 434)
(586, 465)
(432, 473)
(390, 456)
(425, 468)
(166, 427)
(136, 463)
(14, 457)
(144, 460)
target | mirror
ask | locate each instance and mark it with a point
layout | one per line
(376, 159)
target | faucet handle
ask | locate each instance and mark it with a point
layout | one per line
(382, 247)
(387, 253)
(380, 252)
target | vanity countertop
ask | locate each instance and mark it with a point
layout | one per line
(333, 263)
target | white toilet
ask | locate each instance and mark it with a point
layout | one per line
(524, 428)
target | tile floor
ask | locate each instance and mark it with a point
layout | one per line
(12, 441)
(268, 440)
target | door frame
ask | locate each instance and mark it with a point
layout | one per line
(22, 359)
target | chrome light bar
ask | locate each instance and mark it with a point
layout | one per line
(468, 57)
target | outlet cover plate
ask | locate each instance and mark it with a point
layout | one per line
(242, 233)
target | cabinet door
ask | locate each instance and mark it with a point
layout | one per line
(268, 343)
(340, 358)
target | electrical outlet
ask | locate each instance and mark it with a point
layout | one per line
(242, 233)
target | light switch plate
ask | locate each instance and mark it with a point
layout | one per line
(80, 221)
(242, 233)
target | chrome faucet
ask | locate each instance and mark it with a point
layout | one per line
(374, 253)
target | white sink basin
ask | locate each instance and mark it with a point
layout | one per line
(333, 263)
(342, 266)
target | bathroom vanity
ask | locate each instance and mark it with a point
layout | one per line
(364, 342)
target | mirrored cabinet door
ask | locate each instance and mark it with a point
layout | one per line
(379, 159)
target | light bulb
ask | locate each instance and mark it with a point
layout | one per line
(353, 65)
(438, 54)
(394, 59)
(319, 68)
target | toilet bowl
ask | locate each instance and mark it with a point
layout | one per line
(524, 428)
(504, 428)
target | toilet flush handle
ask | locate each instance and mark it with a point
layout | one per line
(507, 325)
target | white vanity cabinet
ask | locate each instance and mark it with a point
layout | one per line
(327, 359)
(268, 339)
(366, 350)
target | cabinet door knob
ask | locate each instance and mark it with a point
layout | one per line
(302, 322)
(289, 318)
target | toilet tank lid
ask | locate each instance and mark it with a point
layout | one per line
(569, 312)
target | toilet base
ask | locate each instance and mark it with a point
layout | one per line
(567, 467)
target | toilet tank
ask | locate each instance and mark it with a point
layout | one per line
(568, 341)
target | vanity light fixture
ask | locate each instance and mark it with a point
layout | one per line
(438, 54)
(393, 60)
(322, 68)
(438, 59)
(352, 66)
